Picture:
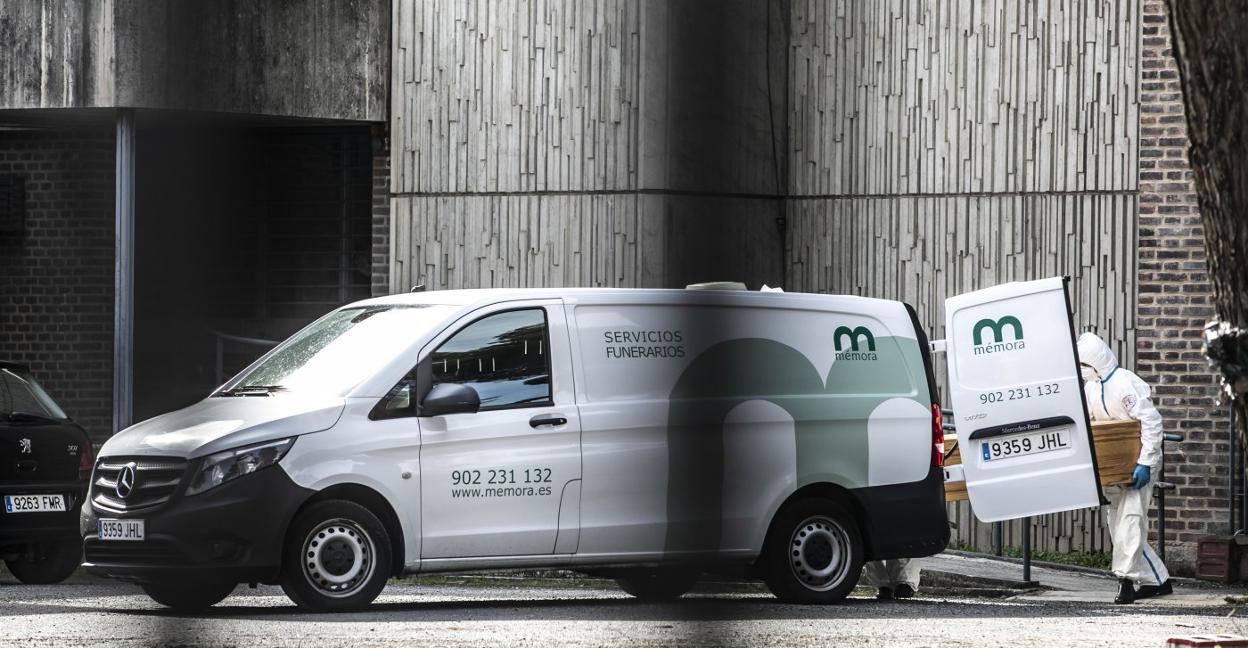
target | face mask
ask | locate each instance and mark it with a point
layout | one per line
(1088, 373)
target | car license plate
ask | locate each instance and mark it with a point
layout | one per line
(120, 529)
(33, 503)
(1025, 444)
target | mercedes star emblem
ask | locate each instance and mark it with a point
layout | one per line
(125, 480)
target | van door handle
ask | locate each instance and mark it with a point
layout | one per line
(540, 420)
(28, 465)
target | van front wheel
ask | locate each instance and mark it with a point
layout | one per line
(657, 584)
(814, 553)
(336, 558)
(188, 597)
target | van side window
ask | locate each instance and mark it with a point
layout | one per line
(505, 357)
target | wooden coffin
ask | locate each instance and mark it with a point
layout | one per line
(1117, 447)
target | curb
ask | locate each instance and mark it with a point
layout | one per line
(940, 579)
(1078, 569)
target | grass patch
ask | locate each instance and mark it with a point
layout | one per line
(1093, 559)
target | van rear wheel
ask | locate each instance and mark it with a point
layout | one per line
(657, 584)
(336, 558)
(814, 553)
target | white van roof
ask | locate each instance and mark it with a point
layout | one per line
(483, 296)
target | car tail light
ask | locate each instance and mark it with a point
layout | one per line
(86, 461)
(938, 437)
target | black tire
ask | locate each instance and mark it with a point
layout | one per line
(189, 597)
(813, 553)
(357, 565)
(664, 584)
(53, 562)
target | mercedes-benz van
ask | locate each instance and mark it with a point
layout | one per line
(647, 435)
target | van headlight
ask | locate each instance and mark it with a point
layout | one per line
(219, 468)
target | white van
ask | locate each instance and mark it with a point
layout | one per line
(647, 435)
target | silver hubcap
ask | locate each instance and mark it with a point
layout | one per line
(819, 553)
(338, 558)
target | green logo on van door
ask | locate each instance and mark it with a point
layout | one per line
(830, 415)
(998, 335)
(855, 336)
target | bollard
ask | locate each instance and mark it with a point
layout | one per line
(1027, 549)
(1160, 493)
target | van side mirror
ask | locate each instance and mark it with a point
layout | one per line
(450, 398)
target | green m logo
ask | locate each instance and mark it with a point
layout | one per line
(998, 329)
(853, 335)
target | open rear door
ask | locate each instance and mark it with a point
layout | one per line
(1023, 429)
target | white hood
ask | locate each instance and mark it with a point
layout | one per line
(1093, 351)
(221, 423)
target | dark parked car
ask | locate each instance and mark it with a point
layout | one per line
(45, 464)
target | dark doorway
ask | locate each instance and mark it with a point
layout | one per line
(241, 234)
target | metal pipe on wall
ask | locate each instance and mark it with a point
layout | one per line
(1231, 475)
(123, 273)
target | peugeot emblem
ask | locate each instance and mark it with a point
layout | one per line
(125, 480)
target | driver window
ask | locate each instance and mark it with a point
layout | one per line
(504, 356)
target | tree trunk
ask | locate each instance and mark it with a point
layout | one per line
(1211, 48)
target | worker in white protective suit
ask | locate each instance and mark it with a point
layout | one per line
(896, 578)
(1113, 393)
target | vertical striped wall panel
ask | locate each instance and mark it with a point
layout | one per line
(899, 97)
(936, 148)
(523, 241)
(921, 249)
(616, 240)
(514, 95)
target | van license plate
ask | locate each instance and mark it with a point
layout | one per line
(120, 529)
(33, 503)
(1025, 444)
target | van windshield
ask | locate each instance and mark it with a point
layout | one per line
(338, 351)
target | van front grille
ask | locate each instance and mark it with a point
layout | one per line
(147, 552)
(155, 480)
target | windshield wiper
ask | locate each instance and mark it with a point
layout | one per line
(31, 417)
(251, 390)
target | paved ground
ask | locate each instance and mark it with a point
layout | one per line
(473, 612)
(1070, 584)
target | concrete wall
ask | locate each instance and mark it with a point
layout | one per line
(581, 143)
(57, 53)
(309, 58)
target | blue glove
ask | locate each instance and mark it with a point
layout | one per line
(1139, 478)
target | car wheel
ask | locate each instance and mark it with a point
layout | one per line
(814, 552)
(657, 584)
(52, 563)
(188, 596)
(336, 558)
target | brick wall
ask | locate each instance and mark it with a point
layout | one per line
(381, 212)
(56, 281)
(1175, 301)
